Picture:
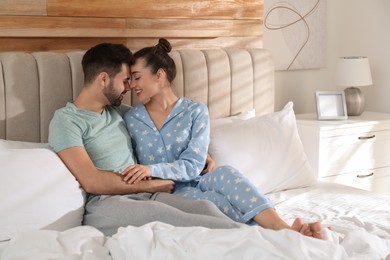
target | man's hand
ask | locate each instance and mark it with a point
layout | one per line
(136, 173)
(210, 165)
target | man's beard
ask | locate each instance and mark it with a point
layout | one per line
(112, 96)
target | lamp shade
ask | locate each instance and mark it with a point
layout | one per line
(354, 71)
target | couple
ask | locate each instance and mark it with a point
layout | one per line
(170, 136)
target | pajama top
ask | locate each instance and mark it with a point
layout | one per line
(178, 150)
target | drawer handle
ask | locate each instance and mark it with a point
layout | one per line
(365, 175)
(366, 137)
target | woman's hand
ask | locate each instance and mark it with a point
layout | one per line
(210, 165)
(136, 173)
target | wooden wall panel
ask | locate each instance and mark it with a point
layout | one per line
(23, 7)
(39, 26)
(220, 9)
(52, 44)
(194, 28)
(42, 26)
(78, 24)
(199, 43)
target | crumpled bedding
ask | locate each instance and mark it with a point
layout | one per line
(360, 220)
(82, 242)
(158, 240)
(162, 241)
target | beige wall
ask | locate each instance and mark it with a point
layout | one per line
(354, 27)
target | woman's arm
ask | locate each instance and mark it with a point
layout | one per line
(138, 172)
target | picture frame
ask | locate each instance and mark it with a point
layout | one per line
(331, 105)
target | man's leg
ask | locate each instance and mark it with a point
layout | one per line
(108, 213)
(203, 207)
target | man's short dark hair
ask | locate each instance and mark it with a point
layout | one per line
(105, 57)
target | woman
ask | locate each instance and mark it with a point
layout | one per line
(171, 136)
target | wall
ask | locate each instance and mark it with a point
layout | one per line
(354, 27)
(41, 25)
(365, 31)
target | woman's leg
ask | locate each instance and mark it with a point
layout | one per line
(237, 190)
(217, 199)
(248, 202)
(269, 218)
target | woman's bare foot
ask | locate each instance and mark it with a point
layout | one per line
(269, 218)
(311, 229)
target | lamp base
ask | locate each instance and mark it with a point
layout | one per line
(354, 100)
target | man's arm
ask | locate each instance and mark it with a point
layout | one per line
(104, 182)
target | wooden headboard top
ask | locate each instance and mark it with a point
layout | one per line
(34, 85)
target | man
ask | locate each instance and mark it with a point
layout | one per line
(90, 137)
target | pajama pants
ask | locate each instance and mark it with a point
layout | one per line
(107, 213)
(233, 193)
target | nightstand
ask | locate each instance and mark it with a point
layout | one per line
(354, 152)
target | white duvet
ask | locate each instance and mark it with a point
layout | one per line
(362, 226)
(162, 241)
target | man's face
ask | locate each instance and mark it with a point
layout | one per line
(118, 86)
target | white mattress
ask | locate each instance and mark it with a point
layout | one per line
(361, 221)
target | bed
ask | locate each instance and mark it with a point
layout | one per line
(42, 204)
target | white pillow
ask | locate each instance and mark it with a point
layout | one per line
(8, 144)
(37, 191)
(222, 122)
(266, 149)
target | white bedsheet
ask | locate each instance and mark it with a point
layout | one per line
(158, 240)
(361, 220)
(82, 242)
(161, 241)
(342, 207)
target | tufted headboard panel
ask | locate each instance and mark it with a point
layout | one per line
(34, 85)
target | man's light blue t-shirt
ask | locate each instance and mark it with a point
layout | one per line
(104, 136)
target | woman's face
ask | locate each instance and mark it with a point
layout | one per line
(144, 84)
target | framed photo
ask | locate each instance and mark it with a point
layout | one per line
(331, 105)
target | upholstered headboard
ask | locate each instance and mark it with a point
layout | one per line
(34, 85)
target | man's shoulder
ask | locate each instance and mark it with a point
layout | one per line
(65, 109)
(69, 116)
(60, 112)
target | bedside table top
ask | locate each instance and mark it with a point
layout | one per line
(365, 119)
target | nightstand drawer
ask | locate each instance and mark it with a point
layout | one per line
(339, 150)
(377, 180)
(354, 152)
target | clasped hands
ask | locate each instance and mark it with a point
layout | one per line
(137, 172)
(141, 174)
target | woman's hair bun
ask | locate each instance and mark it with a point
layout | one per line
(164, 45)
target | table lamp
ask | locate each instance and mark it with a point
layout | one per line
(353, 72)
